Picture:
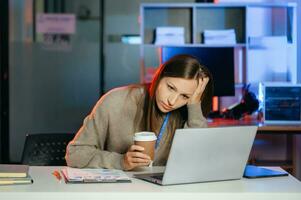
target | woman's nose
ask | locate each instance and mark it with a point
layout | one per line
(172, 99)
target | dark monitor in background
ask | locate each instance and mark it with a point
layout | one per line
(220, 62)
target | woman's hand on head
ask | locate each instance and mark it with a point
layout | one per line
(135, 158)
(196, 97)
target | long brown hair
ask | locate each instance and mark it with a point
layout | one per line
(180, 66)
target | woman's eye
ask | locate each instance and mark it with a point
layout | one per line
(185, 97)
(170, 87)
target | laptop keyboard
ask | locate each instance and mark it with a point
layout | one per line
(159, 177)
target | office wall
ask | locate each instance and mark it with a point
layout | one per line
(52, 87)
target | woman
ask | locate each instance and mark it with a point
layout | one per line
(179, 95)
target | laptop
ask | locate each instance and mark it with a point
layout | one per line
(206, 154)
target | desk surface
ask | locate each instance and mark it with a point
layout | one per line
(46, 186)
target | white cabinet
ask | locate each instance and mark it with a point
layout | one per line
(265, 48)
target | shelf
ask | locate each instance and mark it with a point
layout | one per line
(196, 45)
(254, 61)
(220, 18)
(232, 4)
(164, 17)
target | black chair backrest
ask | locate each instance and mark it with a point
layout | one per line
(46, 149)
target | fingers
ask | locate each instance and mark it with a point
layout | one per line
(139, 161)
(135, 158)
(135, 165)
(196, 97)
(204, 80)
(132, 160)
(204, 83)
(136, 151)
(139, 155)
(136, 148)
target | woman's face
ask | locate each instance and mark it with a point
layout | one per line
(173, 93)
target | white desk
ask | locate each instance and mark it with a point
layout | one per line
(46, 186)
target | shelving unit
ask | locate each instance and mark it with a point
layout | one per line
(266, 38)
(265, 35)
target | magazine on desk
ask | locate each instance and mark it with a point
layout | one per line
(87, 175)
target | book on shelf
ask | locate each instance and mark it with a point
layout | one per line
(14, 171)
(220, 37)
(16, 180)
(99, 175)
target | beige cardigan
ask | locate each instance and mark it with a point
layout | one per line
(107, 132)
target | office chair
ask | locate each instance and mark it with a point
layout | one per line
(46, 149)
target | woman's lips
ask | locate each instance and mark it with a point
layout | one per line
(166, 107)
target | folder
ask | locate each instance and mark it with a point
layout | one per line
(252, 171)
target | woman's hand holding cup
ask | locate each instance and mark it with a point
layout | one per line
(142, 152)
(135, 158)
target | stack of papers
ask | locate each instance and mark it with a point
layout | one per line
(220, 37)
(75, 175)
(14, 174)
(170, 35)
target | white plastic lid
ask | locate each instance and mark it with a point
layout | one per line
(145, 136)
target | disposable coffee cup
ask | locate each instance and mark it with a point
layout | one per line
(146, 140)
